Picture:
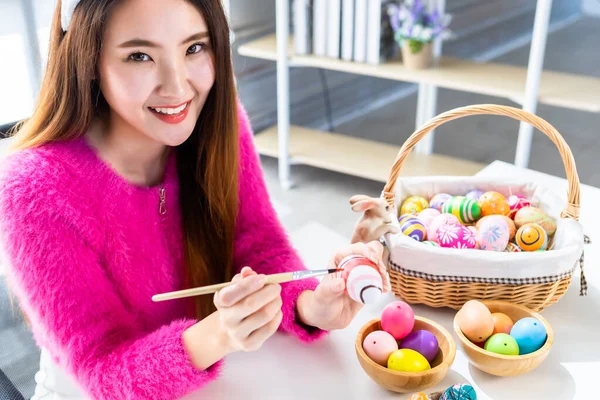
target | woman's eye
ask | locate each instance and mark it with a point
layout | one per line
(139, 57)
(195, 48)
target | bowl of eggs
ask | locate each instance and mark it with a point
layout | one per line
(402, 352)
(502, 338)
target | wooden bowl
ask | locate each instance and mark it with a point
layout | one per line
(499, 364)
(408, 382)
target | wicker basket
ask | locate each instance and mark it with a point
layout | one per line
(443, 291)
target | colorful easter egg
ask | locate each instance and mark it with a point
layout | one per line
(423, 342)
(512, 228)
(531, 237)
(398, 319)
(419, 396)
(456, 237)
(493, 233)
(407, 360)
(512, 248)
(474, 195)
(530, 334)
(467, 211)
(430, 243)
(414, 228)
(438, 201)
(534, 215)
(379, 345)
(475, 321)
(438, 221)
(493, 203)
(474, 230)
(414, 205)
(502, 343)
(427, 215)
(502, 323)
(363, 279)
(460, 391)
(516, 202)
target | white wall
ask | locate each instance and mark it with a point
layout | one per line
(591, 7)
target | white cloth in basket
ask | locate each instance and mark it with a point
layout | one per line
(440, 264)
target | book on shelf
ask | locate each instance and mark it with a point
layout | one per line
(302, 26)
(381, 45)
(360, 31)
(347, 30)
(320, 27)
(334, 24)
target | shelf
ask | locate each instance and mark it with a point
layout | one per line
(359, 157)
(556, 88)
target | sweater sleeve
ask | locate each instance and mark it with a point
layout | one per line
(76, 312)
(260, 239)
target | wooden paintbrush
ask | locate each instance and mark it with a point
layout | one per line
(274, 278)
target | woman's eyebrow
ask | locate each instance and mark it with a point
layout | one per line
(146, 43)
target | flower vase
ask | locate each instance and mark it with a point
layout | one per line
(416, 55)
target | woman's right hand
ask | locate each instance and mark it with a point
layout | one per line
(249, 311)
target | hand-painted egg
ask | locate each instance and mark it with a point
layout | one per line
(430, 243)
(516, 202)
(512, 248)
(423, 342)
(398, 319)
(467, 211)
(419, 396)
(456, 237)
(502, 323)
(427, 215)
(474, 195)
(414, 228)
(475, 321)
(534, 215)
(460, 391)
(413, 205)
(493, 233)
(474, 230)
(502, 343)
(512, 228)
(438, 201)
(493, 203)
(407, 360)
(379, 345)
(442, 219)
(530, 334)
(532, 237)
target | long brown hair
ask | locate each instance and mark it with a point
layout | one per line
(70, 99)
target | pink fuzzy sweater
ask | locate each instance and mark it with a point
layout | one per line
(86, 251)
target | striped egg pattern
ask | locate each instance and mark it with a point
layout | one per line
(364, 284)
(467, 211)
(414, 228)
(531, 237)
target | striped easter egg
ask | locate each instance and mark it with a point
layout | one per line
(414, 228)
(467, 211)
(531, 237)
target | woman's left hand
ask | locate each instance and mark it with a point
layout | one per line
(328, 307)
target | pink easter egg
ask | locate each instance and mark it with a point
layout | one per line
(379, 345)
(438, 221)
(493, 234)
(427, 215)
(398, 319)
(474, 230)
(516, 202)
(456, 236)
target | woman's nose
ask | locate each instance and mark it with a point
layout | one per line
(172, 81)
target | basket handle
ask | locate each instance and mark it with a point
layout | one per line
(573, 202)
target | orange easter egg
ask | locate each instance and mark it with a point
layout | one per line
(475, 321)
(532, 237)
(502, 323)
(493, 203)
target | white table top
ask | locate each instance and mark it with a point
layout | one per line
(286, 369)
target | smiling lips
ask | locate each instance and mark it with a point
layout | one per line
(171, 114)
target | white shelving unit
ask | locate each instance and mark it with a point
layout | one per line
(526, 86)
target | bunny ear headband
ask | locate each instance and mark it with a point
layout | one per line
(66, 12)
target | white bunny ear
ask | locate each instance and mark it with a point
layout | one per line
(66, 12)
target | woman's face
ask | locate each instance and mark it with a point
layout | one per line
(156, 68)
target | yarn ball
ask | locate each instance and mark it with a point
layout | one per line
(459, 392)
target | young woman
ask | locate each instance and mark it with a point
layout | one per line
(137, 175)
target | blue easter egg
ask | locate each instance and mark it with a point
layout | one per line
(530, 334)
(459, 392)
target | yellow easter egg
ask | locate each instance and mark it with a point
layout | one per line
(413, 205)
(531, 237)
(407, 360)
